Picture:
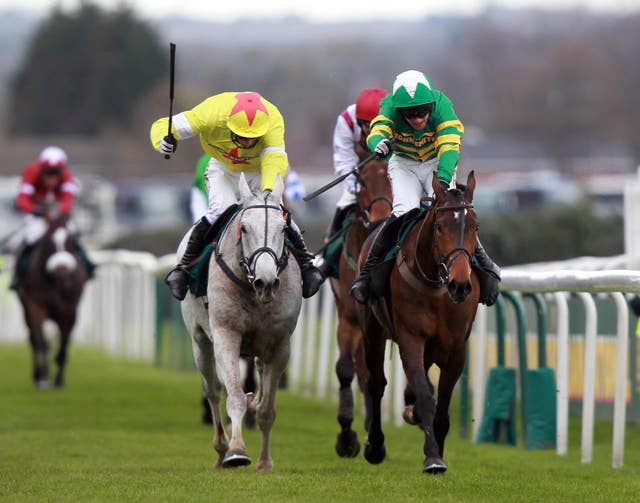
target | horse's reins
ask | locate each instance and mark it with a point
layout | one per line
(366, 221)
(249, 264)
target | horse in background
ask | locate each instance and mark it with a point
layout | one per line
(254, 298)
(373, 207)
(432, 300)
(53, 285)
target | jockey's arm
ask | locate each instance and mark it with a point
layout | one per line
(273, 156)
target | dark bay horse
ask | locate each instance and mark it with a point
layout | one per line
(54, 281)
(432, 301)
(374, 204)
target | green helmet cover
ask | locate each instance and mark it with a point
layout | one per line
(412, 88)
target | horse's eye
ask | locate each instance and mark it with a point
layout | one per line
(243, 229)
(438, 228)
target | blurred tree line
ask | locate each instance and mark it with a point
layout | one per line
(565, 82)
(83, 72)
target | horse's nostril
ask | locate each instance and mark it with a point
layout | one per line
(258, 285)
(276, 285)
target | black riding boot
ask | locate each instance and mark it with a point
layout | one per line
(360, 288)
(178, 278)
(20, 267)
(488, 274)
(312, 278)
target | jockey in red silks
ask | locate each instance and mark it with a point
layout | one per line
(47, 191)
(350, 132)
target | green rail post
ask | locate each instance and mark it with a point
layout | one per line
(498, 420)
(522, 356)
(540, 383)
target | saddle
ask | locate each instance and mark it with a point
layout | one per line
(199, 271)
(332, 249)
(395, 234)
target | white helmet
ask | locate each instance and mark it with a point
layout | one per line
(54, 157)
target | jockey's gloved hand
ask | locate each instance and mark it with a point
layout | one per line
(39, 211)
(168, 145)
(444, 183)
(383, 148)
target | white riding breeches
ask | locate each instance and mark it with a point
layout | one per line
(410, 181)
(223, 187)
(34, 228)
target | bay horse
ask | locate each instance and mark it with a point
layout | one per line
(53, 285)
(255, 295)
(432, 300)
(373, 207)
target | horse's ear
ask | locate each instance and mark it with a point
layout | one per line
(278, 187)
(471, 186)
(245, 190)
(437, 187)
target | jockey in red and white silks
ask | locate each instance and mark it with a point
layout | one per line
(45, 181)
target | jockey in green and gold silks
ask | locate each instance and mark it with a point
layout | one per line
(243, 133)
(418, 130)
(440, 138)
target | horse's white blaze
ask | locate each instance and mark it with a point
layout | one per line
(61, 258)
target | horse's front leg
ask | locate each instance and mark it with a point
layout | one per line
(203, 356)
(411, 353)
(347, 444)
(65, 324)
(449, 376)
(374, 345)
(35, 317)
(270, 374)
(226, 344)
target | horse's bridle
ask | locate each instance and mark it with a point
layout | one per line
(445, 261)
(249, 264)
(365, 219)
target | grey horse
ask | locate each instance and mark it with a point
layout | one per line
(254, 297)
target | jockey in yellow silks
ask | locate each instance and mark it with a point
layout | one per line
(242, 132)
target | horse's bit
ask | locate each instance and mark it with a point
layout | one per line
(249, 264)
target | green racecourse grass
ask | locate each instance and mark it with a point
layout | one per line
(127, 432)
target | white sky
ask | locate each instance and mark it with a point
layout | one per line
(326, 11)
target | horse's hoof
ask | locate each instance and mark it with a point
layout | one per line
(264, 466)
(43, 384)
(347, 444)
(434, 466)
(374, 455)
(409, 416)
(235, 458)
(251, 401)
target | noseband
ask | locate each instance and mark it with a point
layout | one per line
(365, 218)
(445, 261)
(249, 264)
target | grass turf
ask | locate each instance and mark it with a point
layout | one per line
(126, 431)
